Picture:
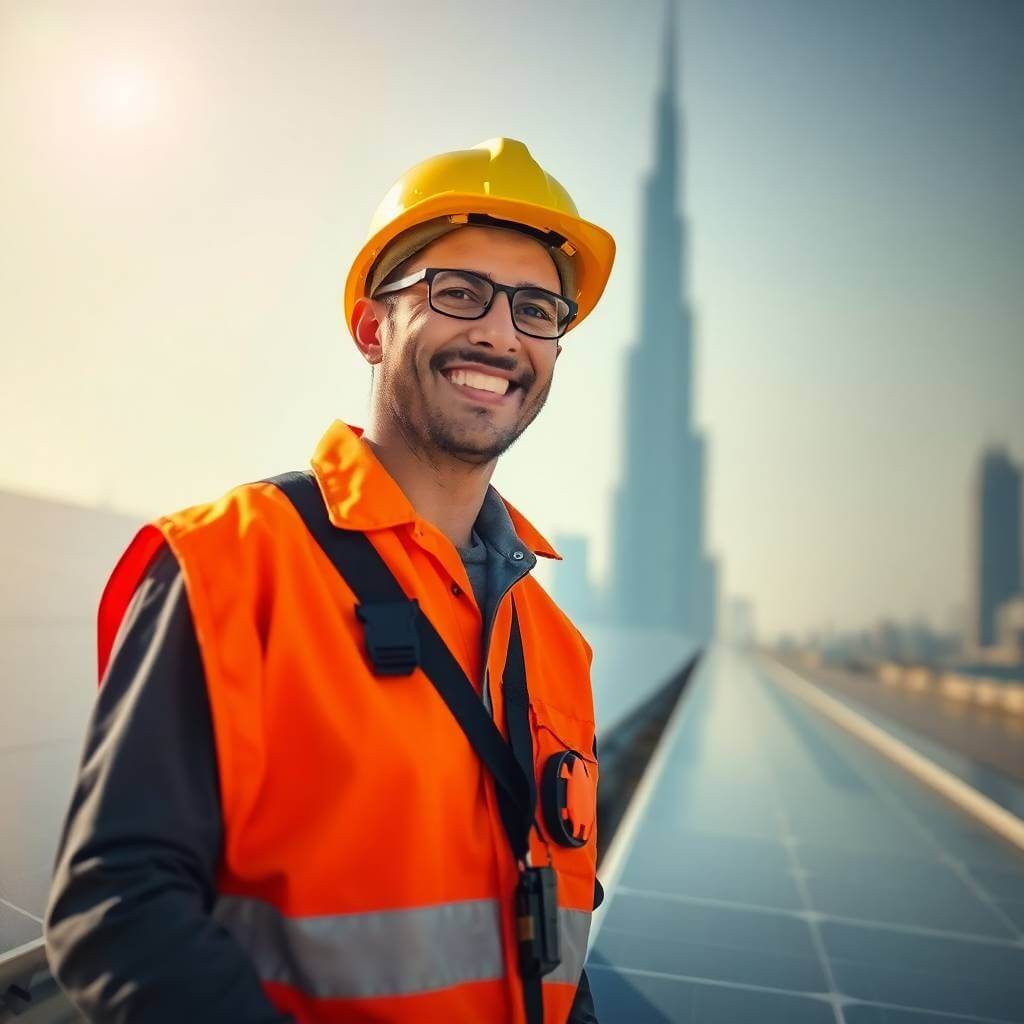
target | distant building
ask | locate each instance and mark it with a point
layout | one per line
(914, 642)
(739, 623)
(958, 625)
(662, 575)
(1010, 635)
(997, 543)
(887, 639)
(787, 643)
(571, 586)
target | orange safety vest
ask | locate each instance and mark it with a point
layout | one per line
(365, 868)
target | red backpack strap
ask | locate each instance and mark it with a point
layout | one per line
(122, 584)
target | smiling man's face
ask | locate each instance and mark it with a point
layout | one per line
(427, 378)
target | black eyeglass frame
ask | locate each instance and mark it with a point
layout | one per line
(429, 273)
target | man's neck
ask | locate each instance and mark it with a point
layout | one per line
(444, 490)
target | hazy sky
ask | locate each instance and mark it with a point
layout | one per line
(182, 186)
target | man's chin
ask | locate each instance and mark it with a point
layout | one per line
(472, 445)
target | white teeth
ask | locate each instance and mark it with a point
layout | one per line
(481, 381)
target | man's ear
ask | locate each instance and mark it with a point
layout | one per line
(366, 329)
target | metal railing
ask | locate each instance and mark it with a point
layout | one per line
(28, 992)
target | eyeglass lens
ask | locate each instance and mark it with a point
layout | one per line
(465, 295)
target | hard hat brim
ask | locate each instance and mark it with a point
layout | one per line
(595, 247)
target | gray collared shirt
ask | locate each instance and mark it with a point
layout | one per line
(495, 561)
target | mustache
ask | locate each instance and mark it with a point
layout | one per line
(440, 360)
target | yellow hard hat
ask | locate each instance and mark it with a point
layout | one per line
(496, 182)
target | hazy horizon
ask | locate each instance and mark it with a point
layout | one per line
(184, 185)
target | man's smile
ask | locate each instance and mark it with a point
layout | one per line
(483, 385)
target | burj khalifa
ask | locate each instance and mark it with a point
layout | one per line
(662, 574)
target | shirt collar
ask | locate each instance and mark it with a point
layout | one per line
(360, 494)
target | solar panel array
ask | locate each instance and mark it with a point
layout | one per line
(642, 659)
(56, 558)
(779, 870)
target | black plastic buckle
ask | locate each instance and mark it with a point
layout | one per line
(556, 805)
(392, 640)
(537, 922)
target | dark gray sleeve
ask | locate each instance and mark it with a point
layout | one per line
(128, 929)
(583, 1011)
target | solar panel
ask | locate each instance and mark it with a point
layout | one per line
(56, 558)
(777, 869)
(647, 658)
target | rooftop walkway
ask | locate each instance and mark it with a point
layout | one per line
(775, 869)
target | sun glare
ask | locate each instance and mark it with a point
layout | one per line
(124, 97)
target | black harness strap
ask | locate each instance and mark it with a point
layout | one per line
(517, 715)
(381, 598)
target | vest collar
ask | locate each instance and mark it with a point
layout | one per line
(360, 494)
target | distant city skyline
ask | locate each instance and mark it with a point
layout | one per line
(183, 187)
(998, 570)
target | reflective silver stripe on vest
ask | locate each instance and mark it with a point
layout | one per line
(573, 929)
(359, 956)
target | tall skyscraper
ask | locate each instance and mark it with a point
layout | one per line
(570, 578)
(997, 541)
(661, 573)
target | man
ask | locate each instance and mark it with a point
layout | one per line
(281, 812)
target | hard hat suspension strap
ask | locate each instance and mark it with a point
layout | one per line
(552, 239)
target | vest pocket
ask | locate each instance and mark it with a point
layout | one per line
(566, 772)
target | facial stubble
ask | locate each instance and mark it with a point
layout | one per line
(432, 432)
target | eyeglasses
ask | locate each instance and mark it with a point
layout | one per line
(464, 295)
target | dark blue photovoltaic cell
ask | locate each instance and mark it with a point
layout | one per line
(735, 869)
(635, 999)
(954, 976)
(895, 890)
(750, 947)
(1014, 912)
(861, 1013)
(781, 870)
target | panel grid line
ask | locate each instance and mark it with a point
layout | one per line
(818, 997)
(789, 843)
(21, 910)
(900, 807)
(804, 915)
